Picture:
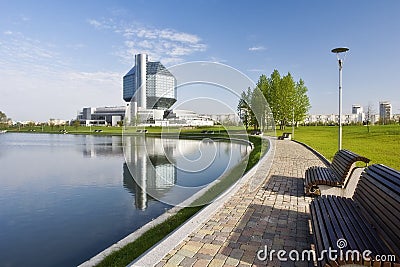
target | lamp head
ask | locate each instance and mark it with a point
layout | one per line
(340, 50)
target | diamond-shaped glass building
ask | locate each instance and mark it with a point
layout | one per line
(149, 84)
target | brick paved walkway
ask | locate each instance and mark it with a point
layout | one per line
(276, 215)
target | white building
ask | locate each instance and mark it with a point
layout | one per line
(225, 119)
(57, 122)
(106, 116)
(101, 116)
(358, 111)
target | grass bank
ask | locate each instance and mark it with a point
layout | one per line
(381, 144)
(95, 130)
(133, 250)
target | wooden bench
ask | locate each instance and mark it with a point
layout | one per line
(334, 175)
(285, 136)
(368, 221)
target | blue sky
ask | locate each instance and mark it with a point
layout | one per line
(59, 56)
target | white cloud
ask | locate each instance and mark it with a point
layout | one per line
(256, 70)
(257, 48)
(164, 44)
(217, 59)
(36, 82)
(8, 32)
(95, 23)
(99, 76)
(25, 18)
(23, 50)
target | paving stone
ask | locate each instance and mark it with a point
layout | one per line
(188, 262)
(186, 253)
(203, 256)
(232, 261)
(216, 263)
(160, 264)
(201, 263)
(275, 215)
(175, 260)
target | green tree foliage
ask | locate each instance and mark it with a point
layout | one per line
(244, 108)
(258, 109)
(4, 120)
(3, 117)
(76, 124)
(286, 98)
(301, 102)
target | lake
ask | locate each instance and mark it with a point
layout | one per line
(65, 198)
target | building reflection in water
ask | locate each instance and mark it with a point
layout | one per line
(95, 146)
(167, 170)
(149, 166)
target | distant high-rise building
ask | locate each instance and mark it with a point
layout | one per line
(356, 109)
(149, 85)
(385, 111)
(357, 113)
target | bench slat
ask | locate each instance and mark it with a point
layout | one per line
(362, 232)
(347, 225)
(333, 175)
(369, 221)
(336, 217)
(378, 195)
(317, 228)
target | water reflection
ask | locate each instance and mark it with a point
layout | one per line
(61, 195)
(148, 166)
(171, 170)
(106, 147)
(163, 169)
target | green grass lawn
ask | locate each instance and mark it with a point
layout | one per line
(381, 144)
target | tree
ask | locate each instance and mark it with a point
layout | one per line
(31, 124)
(301, 102)
(369, 112)
(244, 109)
(76, 124)
(3, 117)
(258, 109)
(51, 125)
(287, 99)
(4, 121)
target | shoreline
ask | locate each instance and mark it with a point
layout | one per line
(205, 209)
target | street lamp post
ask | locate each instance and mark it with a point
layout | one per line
(339, 52)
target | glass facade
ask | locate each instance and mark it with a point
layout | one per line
(129, 84)
(160, 86)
